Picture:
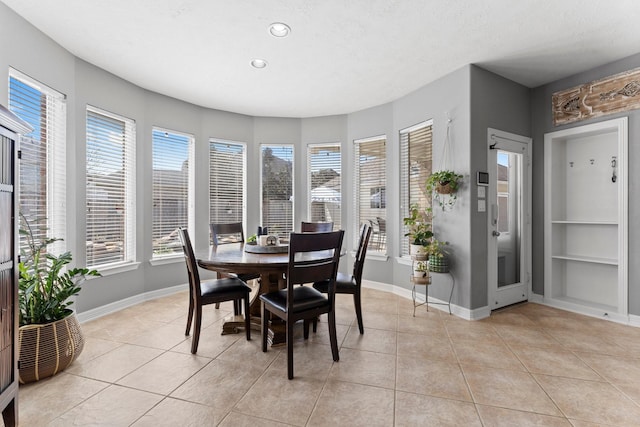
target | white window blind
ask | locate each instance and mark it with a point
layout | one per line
(370, 190)
(277, 188)
(171, 177)
(227, 182)
(110, 189)
(43, 164)
(416, 146)
(325, 176)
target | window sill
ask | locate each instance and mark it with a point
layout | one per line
(172, 259)
(376, 256)
(110, 270)
(404, 260)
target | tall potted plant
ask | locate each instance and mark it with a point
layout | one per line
(49, 337)
(418, 229)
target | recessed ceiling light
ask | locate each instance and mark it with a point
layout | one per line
(278, 29)
(258, 63)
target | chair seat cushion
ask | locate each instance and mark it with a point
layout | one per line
(227, 286)
(304, 298)
(345, 284)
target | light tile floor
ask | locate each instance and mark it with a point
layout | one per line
(525, 365)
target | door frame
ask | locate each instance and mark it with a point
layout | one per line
(493, 139)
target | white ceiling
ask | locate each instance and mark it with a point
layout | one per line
(342, 55)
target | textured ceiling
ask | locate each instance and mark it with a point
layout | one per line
(342, 55)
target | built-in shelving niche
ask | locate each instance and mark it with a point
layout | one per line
(586, 219)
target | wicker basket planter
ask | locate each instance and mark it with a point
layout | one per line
(444, 188)
(49, 348)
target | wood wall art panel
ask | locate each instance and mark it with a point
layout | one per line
(620, 92)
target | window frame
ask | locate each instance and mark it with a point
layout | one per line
(405, 181)
(285, 231)
(190, 215)
(357, 143)
(243, 146)
(129, 185)
(55, 161)
(337, 224)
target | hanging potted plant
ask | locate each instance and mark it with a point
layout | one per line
(438, 257)
(49, 337)
(443, 186)
(418, 229)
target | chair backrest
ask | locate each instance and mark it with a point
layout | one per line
(190, 259)
(316, 227)
(361, 253)
(382, 224)
(313, 257)
(227, 233)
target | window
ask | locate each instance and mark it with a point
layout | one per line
(416, 145)
(43, 163)
(227, 181)
(325, 176)
(172, 160)
(277, 188)
(370, 189)
(110, 189)
(504, 190)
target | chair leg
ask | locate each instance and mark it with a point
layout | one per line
(305, 328)
(190, 318)
(265, 326)
(217, 305)
(196, 330)
(333, 336)
(236, 307)
(247, 317)
(290, 349)
(315, 324)
(358, 305)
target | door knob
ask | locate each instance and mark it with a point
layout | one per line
(495, 233)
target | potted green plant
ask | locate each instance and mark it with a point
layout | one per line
(443, 186)
(50, 337)
(438, 256)
(421, 270)
(418, 229)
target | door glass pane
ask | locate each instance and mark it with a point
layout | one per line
(509, 217)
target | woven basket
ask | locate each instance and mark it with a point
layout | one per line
(444, 189)
(48, 349)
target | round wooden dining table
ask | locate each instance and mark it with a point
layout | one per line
(232, 258)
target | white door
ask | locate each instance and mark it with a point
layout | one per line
(509, 216)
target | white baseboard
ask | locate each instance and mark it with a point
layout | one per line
(97, 312)
(538, 299)
(462, 312)
(465, 313)
(624, 319)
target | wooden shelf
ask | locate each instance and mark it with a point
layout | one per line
(595, 260)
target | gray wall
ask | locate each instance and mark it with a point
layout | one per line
(541, 123)
(500, 104)
(447, 95)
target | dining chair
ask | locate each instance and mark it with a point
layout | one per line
(312, 257)
(203, 292)
(316, 227)
(222, 234)
(351, 283)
